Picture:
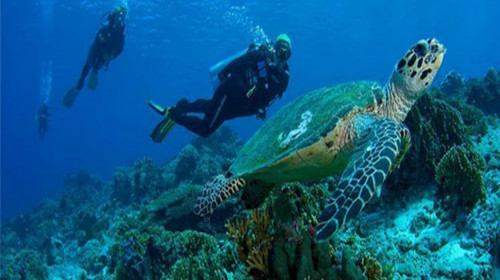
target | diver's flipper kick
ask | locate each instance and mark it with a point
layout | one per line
(245, 85)
(108, 44)
(70, 97)
(163, 128)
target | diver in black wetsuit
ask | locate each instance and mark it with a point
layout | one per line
(42, 118)
(248, 86)
(108, 44)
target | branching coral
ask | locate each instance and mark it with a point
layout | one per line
(261, 220)
(460, 172)
(238, 231)
(259, 259)
(253, 240)
(278, 241)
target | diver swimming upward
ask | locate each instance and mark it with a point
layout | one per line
(245, 86)
(108, 44)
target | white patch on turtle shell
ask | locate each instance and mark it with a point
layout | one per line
(296, 133)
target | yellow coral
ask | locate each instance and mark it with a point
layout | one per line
(253, 240)
(371, 268)
(238, 232)
(259, 259)
(261, 220)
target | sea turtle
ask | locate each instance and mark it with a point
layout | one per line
(354, 129)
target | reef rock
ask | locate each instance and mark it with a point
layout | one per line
(485, 93)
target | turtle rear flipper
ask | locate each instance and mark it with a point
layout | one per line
(215, 192)
(376, 152)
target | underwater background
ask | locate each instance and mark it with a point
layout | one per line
(70, 210)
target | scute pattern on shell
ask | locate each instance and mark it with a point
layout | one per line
(328, 105)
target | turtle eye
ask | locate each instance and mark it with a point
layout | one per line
(422, 48)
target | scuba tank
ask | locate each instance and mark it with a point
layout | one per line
(217, 68)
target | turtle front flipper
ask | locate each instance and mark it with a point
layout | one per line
(215, 192)
(381, 145)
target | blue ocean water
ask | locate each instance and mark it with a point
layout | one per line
(169, 48)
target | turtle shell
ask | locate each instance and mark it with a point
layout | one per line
(302, 123)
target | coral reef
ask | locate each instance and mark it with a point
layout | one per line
(141, 225)
(205, 157)
(459, 172)
(26, 265)
(435, 127)
(131, 184)
(155, 253)
(453, 85)
(485, 93)
(81, 234)
(277, 240)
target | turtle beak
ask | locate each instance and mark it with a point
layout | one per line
(439, 51)
(439, 59)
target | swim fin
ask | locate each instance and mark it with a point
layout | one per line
(162, 130)
(70, 97)
(158, 109)
(92, 83)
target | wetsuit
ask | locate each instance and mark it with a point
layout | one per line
(108, 44)
(248, 86)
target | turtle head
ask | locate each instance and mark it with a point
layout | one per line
(411, 76)
(417, 69)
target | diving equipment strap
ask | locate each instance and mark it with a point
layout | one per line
(218, 110)
(250, 92)
(261, 65)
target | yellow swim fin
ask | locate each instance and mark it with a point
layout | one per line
(162, 129)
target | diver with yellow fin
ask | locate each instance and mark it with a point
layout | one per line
(108, 44)
(245, 84)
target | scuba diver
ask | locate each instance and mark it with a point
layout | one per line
(246, 85)
(108, 44)
(42, 118)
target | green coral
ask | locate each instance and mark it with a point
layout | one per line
(154, 253)
(195, 257)
(173, 209)
(131, 184)
(350, 271)
(436, 126)
(460, 173)
(206, 157)
(187, 160)
(90, 256)
(26, 265)
(485, 93)
(474, 119)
